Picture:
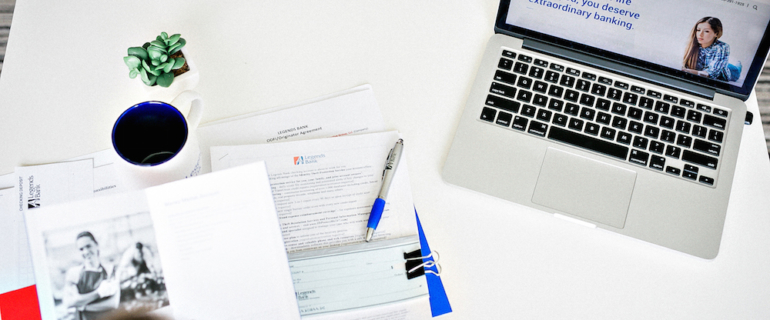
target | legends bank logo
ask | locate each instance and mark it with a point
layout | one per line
(300, 160)
(34, 194)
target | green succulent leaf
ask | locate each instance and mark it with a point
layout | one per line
(178, 63)
(155, 62)
(134, 72)
(173, 39)
(165, 80)
(173, 49)
(150, 69)
(164, 35)
(132, 62)
(178, 46)
(145, 65)
(163, 58)
(159, 38)
(158, 43)
(160, 67)
(154, 54)
(157, 49)
(168, 65)
(154, 72)
(138, 52)
(148, 79)
(146, 45)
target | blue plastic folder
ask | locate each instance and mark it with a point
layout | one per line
(439, 303)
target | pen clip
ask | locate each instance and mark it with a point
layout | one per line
(388, 165)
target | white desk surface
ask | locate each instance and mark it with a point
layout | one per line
(64, 83)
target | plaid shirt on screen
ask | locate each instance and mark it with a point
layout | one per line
(713, 59)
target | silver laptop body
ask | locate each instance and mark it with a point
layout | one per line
(670, 191)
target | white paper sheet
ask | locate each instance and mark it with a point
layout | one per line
(324, 188)
(355, 276)
(222, 247)
(106, 180)
(55, 183)
(14, 268)
(235, 268)
(414, 309)
(35, 186)
(348, 112)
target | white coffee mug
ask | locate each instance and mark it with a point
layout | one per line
(155, 143)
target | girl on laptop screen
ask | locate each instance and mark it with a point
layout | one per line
(706, 55)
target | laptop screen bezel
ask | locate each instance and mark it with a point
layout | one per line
(742, 92)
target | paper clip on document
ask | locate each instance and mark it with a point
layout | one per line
(415, 266)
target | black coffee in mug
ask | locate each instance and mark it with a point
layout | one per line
(149, 133)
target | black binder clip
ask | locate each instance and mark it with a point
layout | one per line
(415, 266)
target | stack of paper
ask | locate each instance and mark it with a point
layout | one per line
(323, 190)
(34, 187)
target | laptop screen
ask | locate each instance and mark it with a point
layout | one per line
(720, 43)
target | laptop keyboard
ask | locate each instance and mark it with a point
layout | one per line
(662, 132)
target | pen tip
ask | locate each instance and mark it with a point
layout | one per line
(369, 234)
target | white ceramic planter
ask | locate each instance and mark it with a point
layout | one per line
(183, 82)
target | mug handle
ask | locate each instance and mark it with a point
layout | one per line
(196, 109)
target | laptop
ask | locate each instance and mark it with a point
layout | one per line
(617, 113)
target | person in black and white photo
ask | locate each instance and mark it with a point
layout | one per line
(112, 267)
(91, 288)
(137, 273)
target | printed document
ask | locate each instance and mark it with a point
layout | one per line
(16, 264)
(353, 111)
(413, 309)
(355, 276)
(35, 187)
(209, 244)
(324, 188)
(106, 180)
(50, 184)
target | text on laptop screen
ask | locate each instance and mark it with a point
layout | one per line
(717, 39)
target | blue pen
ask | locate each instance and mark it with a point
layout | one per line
(387, 177)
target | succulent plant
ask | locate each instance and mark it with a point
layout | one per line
(156, 60)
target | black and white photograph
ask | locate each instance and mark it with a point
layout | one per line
(100, 267)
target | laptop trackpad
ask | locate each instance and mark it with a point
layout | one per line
(585, 188)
